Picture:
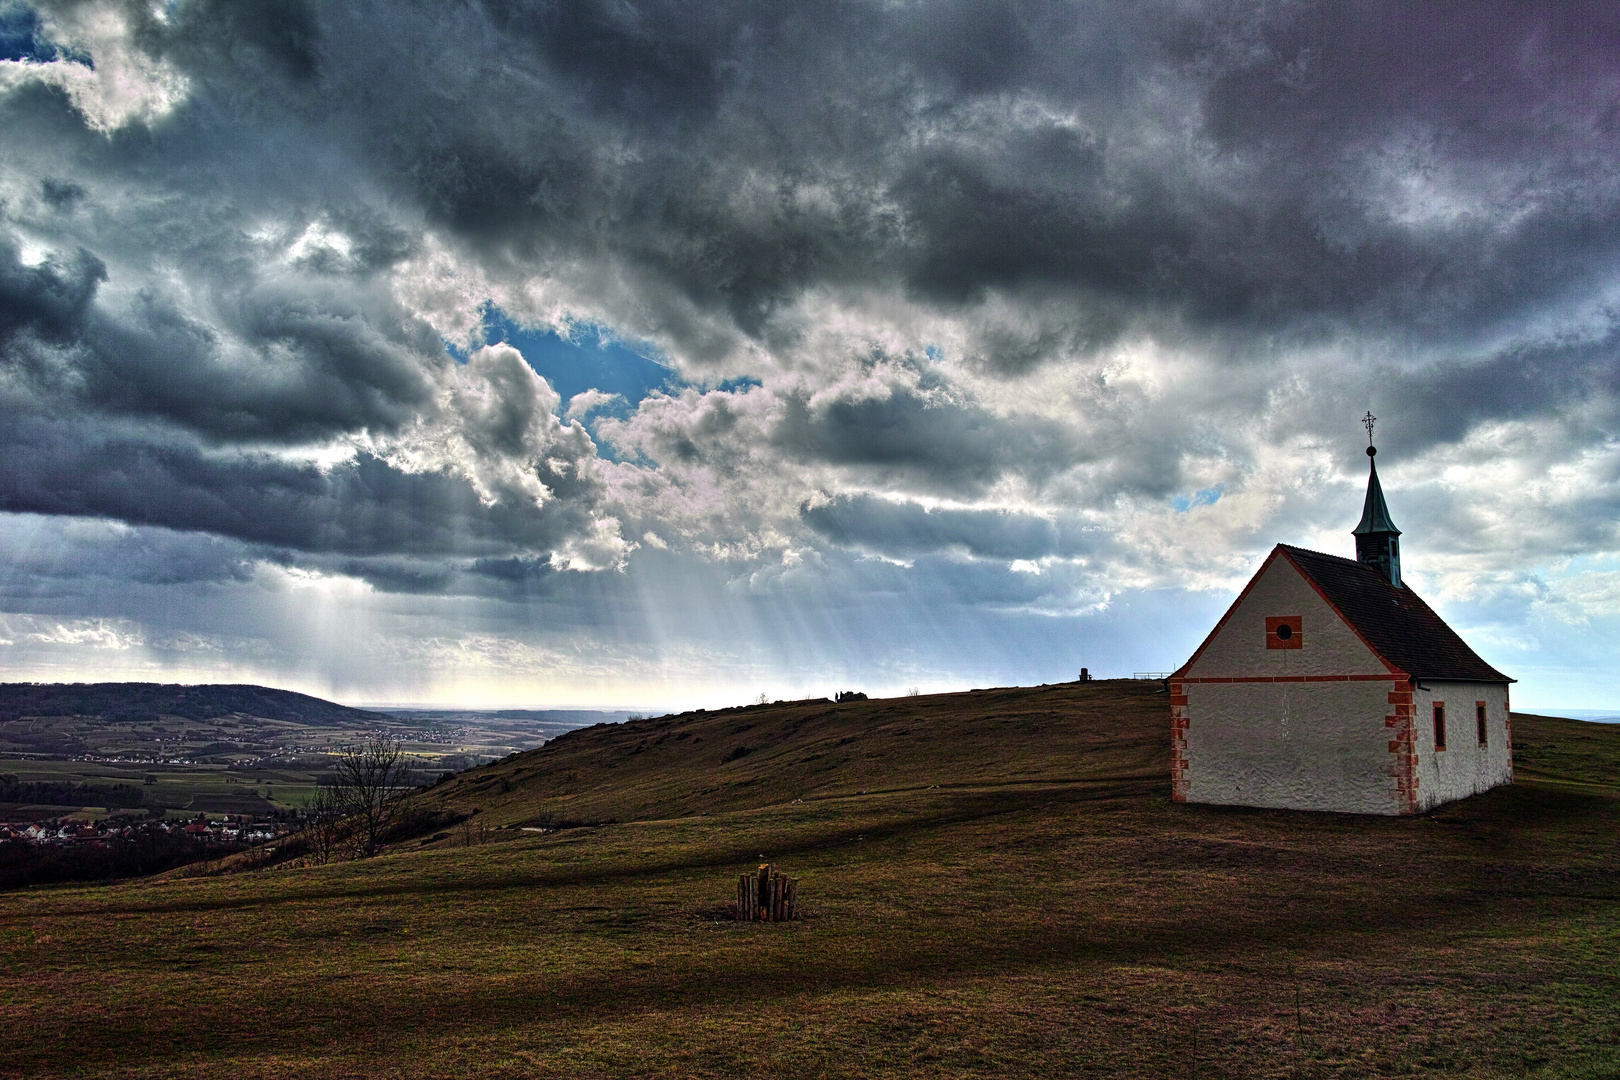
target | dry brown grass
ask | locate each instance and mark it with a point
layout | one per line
(688, 764)
(1049, 915)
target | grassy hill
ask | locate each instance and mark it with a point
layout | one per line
(997, 884)
(758, 755)
(135, 702)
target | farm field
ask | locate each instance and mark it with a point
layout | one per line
(214, 749)
(179, 789)
(997, 885)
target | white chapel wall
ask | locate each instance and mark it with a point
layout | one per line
(1298, 746)
(1294, 745)
(1329, 646)
(1464, 767)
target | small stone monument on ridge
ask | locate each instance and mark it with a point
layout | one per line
(1330, 685)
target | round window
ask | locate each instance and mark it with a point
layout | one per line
(1285, 631)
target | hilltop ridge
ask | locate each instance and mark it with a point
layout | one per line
(133, 702)
(758, 755)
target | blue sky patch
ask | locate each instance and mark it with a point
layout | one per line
(591, 359)
(1207, 497)
(22, 37)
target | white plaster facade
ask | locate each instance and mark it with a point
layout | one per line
(1464, 767)
(1322, 721)
(1295, 746)
(1238, 646)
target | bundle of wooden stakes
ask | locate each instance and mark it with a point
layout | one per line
(767, 896)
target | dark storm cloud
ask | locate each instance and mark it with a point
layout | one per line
(312, 365)
(1508, 105)
(907, 530)
(904, 437)
(49, 301)
(1443, 402)
(904, 121)
(151, 416)
(96, 553)
(555, 131)
(1245, 177)
(364, 507)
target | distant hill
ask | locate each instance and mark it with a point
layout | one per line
(136, 702)
(758, 755)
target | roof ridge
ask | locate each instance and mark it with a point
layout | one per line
(1398, 625)
(1318, 554)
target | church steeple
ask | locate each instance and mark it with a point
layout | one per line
(1377, 538)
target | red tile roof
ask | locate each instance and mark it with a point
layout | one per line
(1395, 622)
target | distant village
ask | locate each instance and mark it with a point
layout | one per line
(73, 847)
(72, 830)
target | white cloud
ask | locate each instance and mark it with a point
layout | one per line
(121, 85)
(581, 405)
(87, 633)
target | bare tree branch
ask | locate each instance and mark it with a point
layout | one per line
(324, 827)
(371, 778)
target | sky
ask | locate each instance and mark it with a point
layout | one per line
(670, 354)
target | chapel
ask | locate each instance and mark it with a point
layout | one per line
(1330, 685)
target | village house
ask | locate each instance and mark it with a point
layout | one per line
(1330, 685)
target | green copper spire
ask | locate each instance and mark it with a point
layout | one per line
(1376, 536)
(1375, 512)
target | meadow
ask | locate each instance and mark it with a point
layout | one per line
(997, 885)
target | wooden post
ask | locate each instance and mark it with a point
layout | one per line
(767, 895)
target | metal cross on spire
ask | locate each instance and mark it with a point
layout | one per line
(1367, 422)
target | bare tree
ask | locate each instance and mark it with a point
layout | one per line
(371, 778)
(323, 824)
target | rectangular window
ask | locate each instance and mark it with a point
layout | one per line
(1439, 725)
(1479, 718)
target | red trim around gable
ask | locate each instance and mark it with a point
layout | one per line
(1300, 570)
(1193, 659)
(1392, 677)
